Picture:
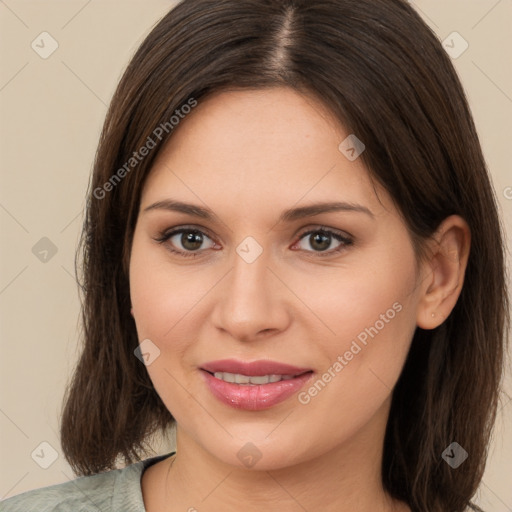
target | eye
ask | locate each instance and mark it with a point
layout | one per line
(190, 240)
(322, 240)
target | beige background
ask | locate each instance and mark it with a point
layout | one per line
(51, 112)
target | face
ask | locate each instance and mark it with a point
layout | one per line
(331, 294)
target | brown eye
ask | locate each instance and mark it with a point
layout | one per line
(191, 240)
(320, 240)
(188, 241)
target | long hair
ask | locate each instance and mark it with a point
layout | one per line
(384, 74)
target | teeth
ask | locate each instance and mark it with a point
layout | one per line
(245, 379)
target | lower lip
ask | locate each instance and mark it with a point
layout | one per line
(254, 397)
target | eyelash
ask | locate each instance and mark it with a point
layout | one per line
(164, 236)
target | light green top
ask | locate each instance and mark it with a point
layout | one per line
(118, 490)
(112, 491)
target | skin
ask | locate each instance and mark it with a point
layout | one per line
(249, 155)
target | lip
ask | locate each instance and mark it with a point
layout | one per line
(254, 368)
(258, 396)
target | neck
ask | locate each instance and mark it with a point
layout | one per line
(342, 479)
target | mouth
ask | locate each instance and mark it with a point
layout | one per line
(253, 386)
(251, 380)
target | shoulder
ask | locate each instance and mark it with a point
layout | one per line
(83, 494)
(112, 491)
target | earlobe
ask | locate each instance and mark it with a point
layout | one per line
(445, 268)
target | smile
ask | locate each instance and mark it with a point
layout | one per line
(238, 378)
(253, 386)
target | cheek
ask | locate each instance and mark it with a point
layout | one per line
(161, 301)
(372, 314)
(363, 361)
(372, 302)
(159, 298)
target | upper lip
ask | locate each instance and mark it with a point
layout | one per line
(254, 368)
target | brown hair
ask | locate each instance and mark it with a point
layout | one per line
(378, 67)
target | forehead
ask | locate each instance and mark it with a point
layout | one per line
(261, 148)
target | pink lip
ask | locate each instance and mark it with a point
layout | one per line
(254, 369)
(254, 397)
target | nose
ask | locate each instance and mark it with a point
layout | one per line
(252, 302)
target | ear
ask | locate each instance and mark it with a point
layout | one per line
(131, 311)
(443, 271)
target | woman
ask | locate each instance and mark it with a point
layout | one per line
(288, 224)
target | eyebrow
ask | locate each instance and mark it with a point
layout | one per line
(289, 215)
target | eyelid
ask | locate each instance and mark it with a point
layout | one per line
(327, 229)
